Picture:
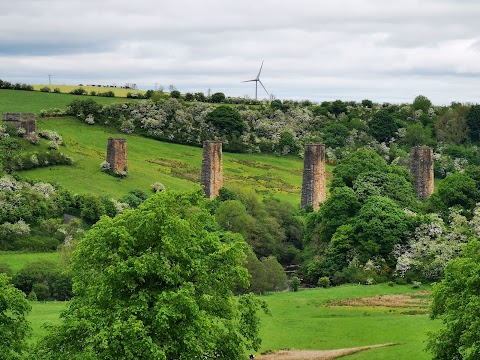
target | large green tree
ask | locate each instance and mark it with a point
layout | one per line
(13, 325)
(456, 301)
(156, 283)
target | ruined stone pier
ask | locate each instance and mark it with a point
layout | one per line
(212, 175)
(422, 170)
(314, 176)
(117, 155)
(25, 121)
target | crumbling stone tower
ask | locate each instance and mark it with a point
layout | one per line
(117, 155)
(212, 175)
(422, 170)
(314, 176)
(26, 121)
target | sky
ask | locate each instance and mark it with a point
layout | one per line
(382, 50)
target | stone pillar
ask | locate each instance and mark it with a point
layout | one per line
(314, 176)
(27, 121)
(117, 155)
(422, 170)
(212, 175)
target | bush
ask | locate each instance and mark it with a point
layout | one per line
(56, 90)
(106, 94)
(295, 283)
(32, 296)
(158, 187)
(324, 282)
(78, 91)
(45, 89)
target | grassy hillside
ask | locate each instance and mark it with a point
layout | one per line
(34, 101)
(17, 260)
(176, 166)
(67, 88)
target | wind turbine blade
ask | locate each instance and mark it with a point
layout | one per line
(250, 80)
(258, 76)
(263, 87)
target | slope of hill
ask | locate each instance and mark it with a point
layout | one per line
(149, 161)
(34, 101)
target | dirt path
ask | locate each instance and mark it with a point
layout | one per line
(316, 354)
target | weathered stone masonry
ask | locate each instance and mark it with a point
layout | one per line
(212, 176)
(422, 170)
(26, 121)
(314, 176)
(117, 155)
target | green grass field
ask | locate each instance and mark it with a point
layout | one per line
(34, 101)
(67, 88)
(303, 321)
(17, 260)
(44, 313)
(178, 167)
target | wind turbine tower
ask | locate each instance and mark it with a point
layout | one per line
(257, 80)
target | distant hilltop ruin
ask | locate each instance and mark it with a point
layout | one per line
(25, 121)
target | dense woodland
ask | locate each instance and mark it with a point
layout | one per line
(372, 227)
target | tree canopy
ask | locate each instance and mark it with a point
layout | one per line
(456, 302)
(13, 324)
(157, 283)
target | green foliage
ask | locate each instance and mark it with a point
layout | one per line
(226, 119)
(295, 283)
(379, 226)
(157, 283)
(14, 327)
(356, 163)
(422, 103)
(46, 279)
(217, 97)
(383, 126)
(457, 190)
(473, 122)
(456, 303)
(175, 94)
(323, 282)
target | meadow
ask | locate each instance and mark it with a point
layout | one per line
(17, 260)
(34, 101)
(315, 319)
(67, 88)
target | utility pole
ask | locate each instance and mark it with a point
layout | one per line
(156, 86)
(50, 80)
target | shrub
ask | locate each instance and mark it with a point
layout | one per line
(324, 282)
(295, 283)
(90, 120)
(105, 166)
(416, 284)
(56, 90)
(32, 296)
(106, 94)
(45, 89)
(52, 145)
(78, 91)
(158, 187)
(33, 138)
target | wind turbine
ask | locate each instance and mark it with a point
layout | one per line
(257, 80)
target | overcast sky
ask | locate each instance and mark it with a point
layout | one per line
(383, 50)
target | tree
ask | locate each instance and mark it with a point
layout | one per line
(383, 126)
(452, 127)
(455, 300)
(156, 283)
(473, 122)
(217, 97)
(354, 164)
(227, 119)
(422, 103)
(14, 327)
(175, 94)
(458, 190)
